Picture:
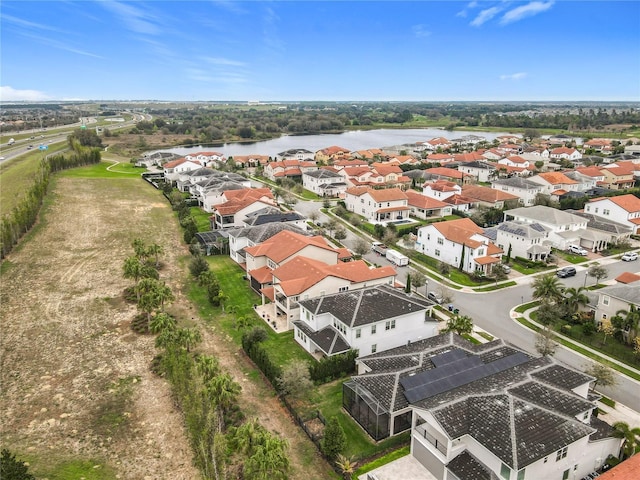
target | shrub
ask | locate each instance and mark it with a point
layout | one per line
(334, 440)
(330, 368)
(198, 265)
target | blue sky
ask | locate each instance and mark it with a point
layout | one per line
(306, 50)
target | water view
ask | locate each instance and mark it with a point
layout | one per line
(355, 140)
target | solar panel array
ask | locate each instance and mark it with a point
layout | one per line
(454, 372)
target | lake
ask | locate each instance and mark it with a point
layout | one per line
(353, 140)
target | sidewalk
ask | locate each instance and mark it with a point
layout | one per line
(620, 413)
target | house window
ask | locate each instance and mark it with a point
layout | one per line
(505, 471)
(605, 299)
(390, 324)
(374, 348)
(358, 333)
(373, 329)
(545, 459)
(440, 241)
(437, 252)
(565, 474)
(606, 211)
(585, 416)
(521, 474)
(343, 289)
(562, 453)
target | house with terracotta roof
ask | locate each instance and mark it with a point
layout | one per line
(602, 145)
(440, 158)
(369, 320)
(489, 197)
(588, 177)
(626, 470)
(331, 154)
(174, 168)
(250, 236)
(403, 160)
(555, 183)
(292, 169)
(565, 153)
(350, 163)
(239, 204)
(481, 412)
(324, 182)
(451, 174)
(244, 161)
(382, 206)
(392, 175)
(441, 189)
(624, 209)
(303, 278)
(619, 175)
(437, 143)
(425, 207)
(459, 243)
(627, 278)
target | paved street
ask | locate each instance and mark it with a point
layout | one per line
(491, 311)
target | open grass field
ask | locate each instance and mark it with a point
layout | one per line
(78, 397)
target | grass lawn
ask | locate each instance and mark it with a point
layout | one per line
(55, 468)
(17, 174)
(526, 270)
(202, 219)
(328, 399)
(491, 288)
(105, 169)
(571, 258)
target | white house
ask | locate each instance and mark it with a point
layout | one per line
(565, 153)
(382, 206)
(479, 412)
(426, 207)
(624, 209)
(239, 204)
(174, 168)
(324, 182)
(302, 278)
(459, 243)
(555, 183)
(369, 320)
(524, 240)
(522, 188)
(441, 189)
(244, 237)
(482, 171)
(564, 228)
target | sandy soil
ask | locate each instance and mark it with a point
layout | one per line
(68, 353)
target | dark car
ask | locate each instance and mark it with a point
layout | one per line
(566, 272)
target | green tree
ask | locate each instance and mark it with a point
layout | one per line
(598, 272)
(603, 375)
(606, 328)
(548, 313)
(630, 320)
(418, 279)
(509, 254)
(407, 287)
(574, 298)
(547, 288)
(149, 297)
(461, 266)
(630, 436)
(331, 225)
(133, 269)
(295, 380)
(12, 468)
(223, 391)
(340, 234)
(346, 465)
(155, 251)
(360, 247)
(198, 265)
(334, 440)
(459, 324)
(162, 321)
(140, 249)
(269, 460)
(545, 345)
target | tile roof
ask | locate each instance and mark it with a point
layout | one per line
(379, 195)
(466, 467)
(299, 274)
(487, 194)
(446, 172)
(628, 202)
(544, 214)
(416, 199)
(285, 244)
(260, 233)
(627, 470)
(459, 231)
(555, 178)
(327, 339)
(627, 277)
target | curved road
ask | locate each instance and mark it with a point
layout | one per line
(491, 311)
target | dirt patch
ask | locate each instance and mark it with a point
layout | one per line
(75, 378)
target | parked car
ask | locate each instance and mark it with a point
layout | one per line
(506, 268)
(629, 257)
(566, 272)
(435, 297)
(577, 249)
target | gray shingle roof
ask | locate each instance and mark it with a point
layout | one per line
(323, 173)
(367, 305)
(627, 293)
(466, 467)
(260, 233)
(518, 182)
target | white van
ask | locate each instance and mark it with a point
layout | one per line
(578, 250)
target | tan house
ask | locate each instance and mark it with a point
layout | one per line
(489, 197)
(619, 175)
(239, 204)
(331, 154)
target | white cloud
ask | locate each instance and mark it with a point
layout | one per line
(10, 94)
(524, 11)
(463, 12)
(485, 16)
(420, 31)
(27, 24)
(135, 19)
(514, 76)
(50, 42)
(223, 61)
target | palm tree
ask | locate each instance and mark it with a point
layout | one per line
(163, 294)
(155, 250)
(162, 321)
(346, 465)
(208, 366)
(140, 249)
(188, 338)
(547, 288)
(574, 298)
(630, 320)
(630, 436)
(132, 268)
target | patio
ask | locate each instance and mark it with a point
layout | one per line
(406, 468)
(267, 312)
